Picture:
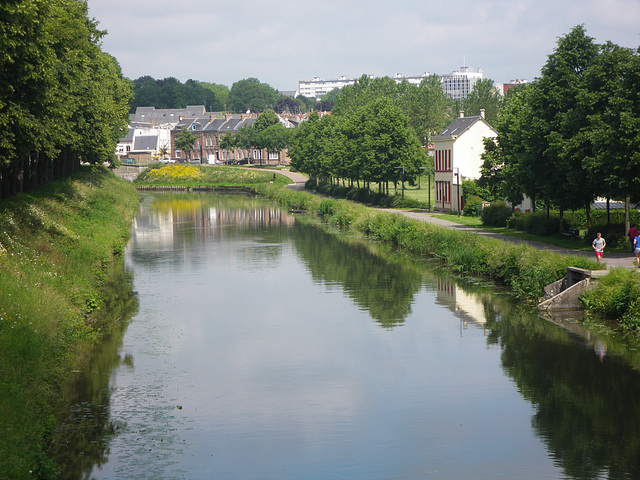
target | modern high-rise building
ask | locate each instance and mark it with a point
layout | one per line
(455, 84)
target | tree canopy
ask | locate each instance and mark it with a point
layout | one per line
(250, 94)
(62, 100)
(366, 139)
(572, 135)
(171, 93)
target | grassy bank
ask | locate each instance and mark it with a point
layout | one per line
(56, 249)
(201, 176)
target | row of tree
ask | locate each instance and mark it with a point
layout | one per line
(376, 132)
(62, 100)
(247, 94)
(574, 134)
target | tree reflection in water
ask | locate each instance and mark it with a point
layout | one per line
(82, 439)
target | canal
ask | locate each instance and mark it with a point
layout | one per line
(258, 346)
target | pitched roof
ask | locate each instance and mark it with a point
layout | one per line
(145, 142)
(229, 125)
(166, 115)
(215, 124)
(459, 126)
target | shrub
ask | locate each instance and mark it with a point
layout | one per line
(496, 214)
(473, 206)
(616, 296)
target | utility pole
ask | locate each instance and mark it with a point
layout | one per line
(458, 181)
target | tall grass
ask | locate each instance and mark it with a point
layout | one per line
(616, 297)
(56, 246)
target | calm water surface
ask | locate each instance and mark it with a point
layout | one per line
(263, 348)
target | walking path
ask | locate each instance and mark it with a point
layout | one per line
(610, 259)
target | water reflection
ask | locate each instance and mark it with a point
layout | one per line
(173, 223)
(385, 288)
(82, 439)
(587, 407)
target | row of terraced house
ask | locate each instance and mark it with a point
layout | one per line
(152, 133)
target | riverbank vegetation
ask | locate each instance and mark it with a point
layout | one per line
(57, 250)
(525, 270)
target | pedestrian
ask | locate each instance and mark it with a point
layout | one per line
(598, 245)
(636, 248)
(633, 233)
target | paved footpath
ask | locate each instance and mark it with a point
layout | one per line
(610, 259)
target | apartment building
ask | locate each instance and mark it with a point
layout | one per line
(456, 84)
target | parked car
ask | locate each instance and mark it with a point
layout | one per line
(195, 161)
(168, 160)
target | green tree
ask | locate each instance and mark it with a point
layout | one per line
(509, 166)
(308, 103)
(146, 93)
(61, 97)
(185, 140)
(427, 107)
(614, 124)
(561, 122)
(265, 119)
(290, 105)
(378, 145)
(483, 96)
(250, 94)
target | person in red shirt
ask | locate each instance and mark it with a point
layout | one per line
(633, 233)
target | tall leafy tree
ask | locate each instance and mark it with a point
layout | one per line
(61, 98)
(250, 94)
(561, 115)
(427, 107)
(185, 140)
(614, 124)
(483, 96)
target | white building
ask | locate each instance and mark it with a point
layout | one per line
(458, 85)
(455, 85)
(457, 156)
(144, 144)
(318, 87)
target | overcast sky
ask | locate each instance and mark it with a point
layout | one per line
(283, 41)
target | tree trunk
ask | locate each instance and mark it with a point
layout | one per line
(561, 222)
(627, 226)
(587, 210)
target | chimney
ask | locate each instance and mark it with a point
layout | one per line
(461, 113)
(482, 112)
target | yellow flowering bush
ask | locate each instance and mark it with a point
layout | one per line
(188, 175)
(174, 173)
